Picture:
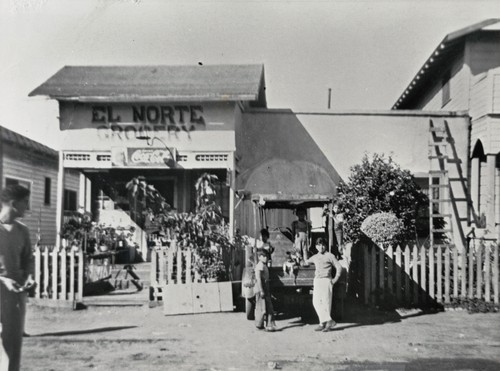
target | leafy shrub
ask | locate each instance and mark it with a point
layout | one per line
(382, 227)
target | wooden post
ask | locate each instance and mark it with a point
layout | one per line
(447, 274)
(81, 262)
(487, 276)
(390, 269)
(398, 273)
(496, 296)
(366, 272)
(471, 273)
(179, 265)
(170, 262)
(414, 268)
(381, 271)
(407, 274)
(463, 291)
(59, 199)
(53, 273)
(423, 272)
(431, 272)
(72, 275)
(62, 257)
(373, 269)
(38, 269)
(189, 279)
(479, 272)
(455, 272)
(439, 278)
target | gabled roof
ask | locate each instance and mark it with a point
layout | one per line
(437, 61)
(154, 83)
(20, 140)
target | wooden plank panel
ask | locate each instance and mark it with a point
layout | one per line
(398, 268)
(431, 273)
(373, 270)
(38, 271)
(366, 273)
(455, 272)
(471, 273)
(206, 297)
(46, 273)
(390, 269)
(381, 271)
(53, 273)
(496, 296)
(62, 258)
(72, 275)
(463, 291)
(170, 265)
(179, 266)
(407, 274)
(226, 296)
(177, 299)
(479, 272)
(439, 271)
(487, 274)
(423, 272)
(81, 262)
(188, 254)
(414, 267)
(447, 274)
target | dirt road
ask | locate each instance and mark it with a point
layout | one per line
(141, 338)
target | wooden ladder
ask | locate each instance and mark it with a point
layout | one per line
(440, 205)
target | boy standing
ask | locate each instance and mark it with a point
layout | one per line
(16, 267)
(266, 245)
(263, 305)
(301, 229)
(324, 262)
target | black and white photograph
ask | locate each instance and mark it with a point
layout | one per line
(249, 185)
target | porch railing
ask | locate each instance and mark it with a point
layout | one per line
(59, 274)
(420, 275)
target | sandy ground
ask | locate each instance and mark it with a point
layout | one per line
(142, 338)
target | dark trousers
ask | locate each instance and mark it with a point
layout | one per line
(263, 308)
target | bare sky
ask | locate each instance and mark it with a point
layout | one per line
(366, 51)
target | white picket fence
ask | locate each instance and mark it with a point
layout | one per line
(415, 276)
(59, 274)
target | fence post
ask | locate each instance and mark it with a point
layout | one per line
(373, 264)
(423, 273)
(381, 271)
(38, 271)
(431, 272)
(447, 274)
(390, 268)
(398, 273)
(455, 272)
(414, 267)
(495, 274)
(188, 254)
(463, 291)
(439, 278)
(479, 271)
(487, 275)
(179, 265)
(407, 274)
(367, 273)
(471, 273)
(62, 257)
(170, 264)
(54, 272)
(71, 275)
(80, 275)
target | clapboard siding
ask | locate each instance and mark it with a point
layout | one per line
(432, 99)
(23, 164)
(496, 93)
(483, 188)
(484, 52)
(480, 98)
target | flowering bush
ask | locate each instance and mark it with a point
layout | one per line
(382, 227)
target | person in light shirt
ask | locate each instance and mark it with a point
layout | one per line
(324, 263)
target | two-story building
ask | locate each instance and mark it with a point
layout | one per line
(463, 74)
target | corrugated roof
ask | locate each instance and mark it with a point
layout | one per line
(20, 140)
(440, 56)
(177, 83)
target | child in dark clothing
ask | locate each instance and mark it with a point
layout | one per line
(266, 245)
(263, 306)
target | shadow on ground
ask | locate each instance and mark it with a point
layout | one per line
(83, 332)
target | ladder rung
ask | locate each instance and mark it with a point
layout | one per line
(440, 200)
(438, 171)
(436, 144)
(439, 186)
(442, 157)
(437, 130)
(441, 230)
(440, 215)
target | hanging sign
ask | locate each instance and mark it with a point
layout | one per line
(144, 157)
